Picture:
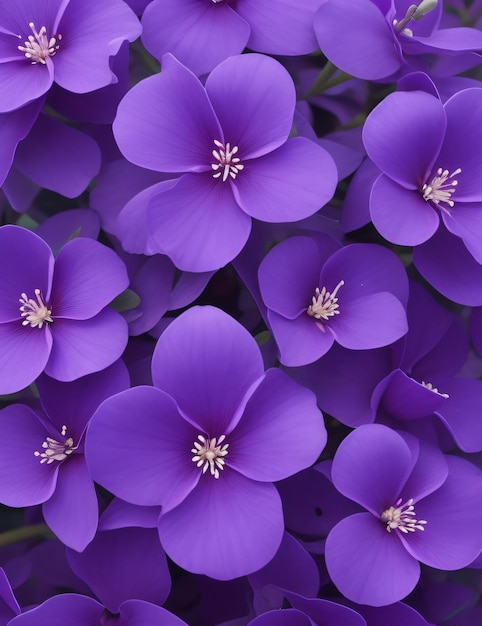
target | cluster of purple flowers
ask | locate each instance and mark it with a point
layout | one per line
(240, 312)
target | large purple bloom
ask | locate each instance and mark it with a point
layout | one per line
(207, 443)
(420, 506)
(318, 292)
(66, 41)
(229, 139)
(429, 155)
(53, 312)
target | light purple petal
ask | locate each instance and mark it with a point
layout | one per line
(225, 528)
(198, 223)
(359, 467)
(81, 347)
(72, 511)
(24, 481)
(403, 136)
(138, 437)
(21, 82)
(167, 123)
(87, 277)
(466, 222)
(287, 185)
(401, 215)
(199, 34)
(279, 416)
(121, 514)
(367, 564)
(254, 99)
(207, 362)
(461, 412)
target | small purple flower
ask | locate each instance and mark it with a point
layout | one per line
(230, 141)
(420, 506)
(207, 443)
(318, 292)
(53, 312)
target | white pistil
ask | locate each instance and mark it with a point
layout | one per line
(35, 313)
(402, 517)
(209, 453)
(325, 304)
(39, 46)
(414, 12)
(439, 190)
(56, 450)
(227, 164)
(434, 389)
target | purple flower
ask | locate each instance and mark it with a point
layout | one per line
(420, 506)
(207, 443)
(53, 312)
(66, 41)
(429, 155)
(229, 139)
(318, 293)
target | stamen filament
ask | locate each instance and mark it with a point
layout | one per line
(227, 164)
(325, 304)
(35, 313)
(210, 454)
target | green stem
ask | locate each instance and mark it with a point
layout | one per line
(342, 77)
(25, 532)
(325, 81)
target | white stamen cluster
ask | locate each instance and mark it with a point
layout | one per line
(210, 454)
(227, 164)
(439, 190)
(56, 450)
(434, 389)
(325, 304)
(402, 517)
(414, 12)
(35, 313)
(38, 46)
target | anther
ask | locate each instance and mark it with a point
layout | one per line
(227, 164)
(439, 190)
(402, 517)
(209, 453)
(325, 304)
(38, 46)
(35, 313)
(56, 450)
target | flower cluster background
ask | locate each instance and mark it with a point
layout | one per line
(240, 312)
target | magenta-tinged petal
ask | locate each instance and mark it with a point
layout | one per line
(360, 465)
(198, 223)
(207, 362)
(238, 521)
(167, 123)
(280, 26)
(87, 277)
(122, 564)
(373, 52)
(453, 513)
(24, 481)
(447, 265)
(43, 157)
(300, 341)
(21, 82)
(138, 437)
(401, 215)
(199, 34)
(287, 185)
(24, 355)
(72, 511)
(403, 136)
(367, 564)
(280, 415)
(81, 347)
(254, 99)
(30, 265)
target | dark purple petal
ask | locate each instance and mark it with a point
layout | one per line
(225, 528)
(82, 347)
(461, 410)
(280, 433)
(140, 612)
(324, 611)
(465, 222)
(406, 399)
(287, 185)
(121, 514)
(207, 362)
(66, 608)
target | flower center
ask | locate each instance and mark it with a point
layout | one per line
(402, 516)
(226, 163)
(434, 389)
(209, 453)
(324, 304)
(414, 12)
(56, 450)
(439, 190)
(38, 46)
(35, 313)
